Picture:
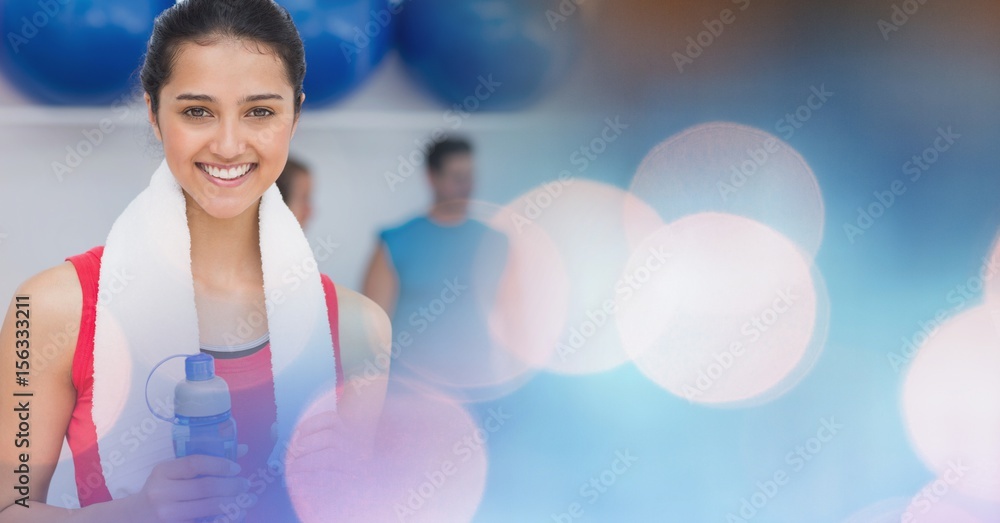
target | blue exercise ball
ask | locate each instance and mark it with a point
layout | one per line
(488, 54)
(345, 41)
(75, 52)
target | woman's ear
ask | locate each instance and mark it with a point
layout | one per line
(151, 116)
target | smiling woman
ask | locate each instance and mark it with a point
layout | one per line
(225, 114)
(206, 250)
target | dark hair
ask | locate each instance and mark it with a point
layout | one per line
(443, 148)
(205, 22)
(293, 168)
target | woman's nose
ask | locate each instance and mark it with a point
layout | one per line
(229, 141)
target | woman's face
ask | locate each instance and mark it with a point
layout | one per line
(226, 117)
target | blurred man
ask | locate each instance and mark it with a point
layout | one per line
(436, 275)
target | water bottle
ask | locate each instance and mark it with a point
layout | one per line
(202, 420)
(202, 409)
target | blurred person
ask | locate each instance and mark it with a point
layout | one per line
(437, 276)
(296, 186)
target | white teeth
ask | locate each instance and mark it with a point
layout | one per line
(227, 174)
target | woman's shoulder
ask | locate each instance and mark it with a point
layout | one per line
(54, 291)
(365, 329)
(52, 300)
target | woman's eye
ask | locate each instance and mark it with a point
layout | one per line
(196, 112)
(260, 112)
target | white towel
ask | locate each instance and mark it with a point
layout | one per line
(146, 312)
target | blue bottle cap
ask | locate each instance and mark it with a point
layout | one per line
(199, 367)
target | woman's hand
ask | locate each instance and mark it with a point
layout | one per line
(330, 473)
(189, 488)
(322, 442)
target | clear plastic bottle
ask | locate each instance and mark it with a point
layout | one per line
(203, 416)
(202, 406)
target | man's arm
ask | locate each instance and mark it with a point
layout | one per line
(381, 282)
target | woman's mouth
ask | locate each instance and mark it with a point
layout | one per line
(227, 175)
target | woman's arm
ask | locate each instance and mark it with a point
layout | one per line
(175, 491)
(343, 443)
(334, 470)
(365, 352)
(42, 332)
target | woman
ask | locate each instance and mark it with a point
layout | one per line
(223, 89)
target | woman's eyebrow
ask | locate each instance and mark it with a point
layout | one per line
(259, 97)
(244, 100)
(195, 97)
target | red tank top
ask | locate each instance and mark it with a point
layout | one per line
(249, 377)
